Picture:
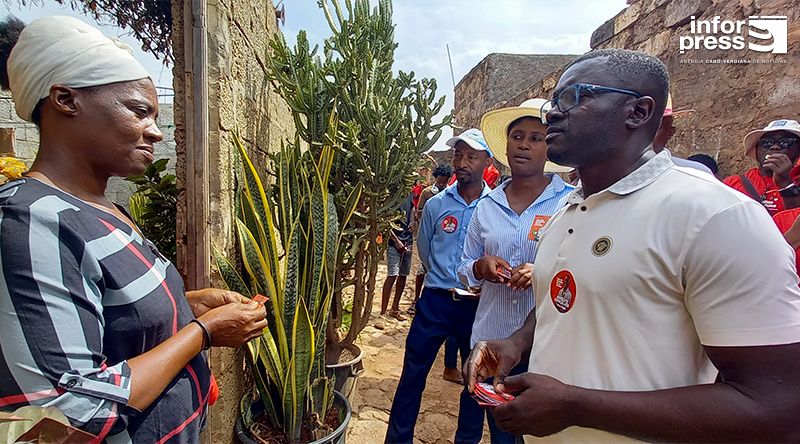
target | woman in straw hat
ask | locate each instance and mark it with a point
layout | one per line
(503, 234)
(94, 321)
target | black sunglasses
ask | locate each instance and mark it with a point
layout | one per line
(784, 143)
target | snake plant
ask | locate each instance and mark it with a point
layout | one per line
(288, 237)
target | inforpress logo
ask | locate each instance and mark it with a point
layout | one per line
(758, 33)
(769, 27)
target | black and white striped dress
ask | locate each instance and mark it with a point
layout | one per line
(80, 293)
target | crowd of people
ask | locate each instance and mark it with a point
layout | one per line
(639, 299)
(643, 299)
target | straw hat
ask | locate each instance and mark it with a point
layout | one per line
(494, 125)
(776, 125)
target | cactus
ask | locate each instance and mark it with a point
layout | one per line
(389, 118)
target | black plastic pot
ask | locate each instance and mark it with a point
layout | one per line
(338, 436)
(345, 374)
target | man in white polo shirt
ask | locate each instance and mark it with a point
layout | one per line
(650, 281)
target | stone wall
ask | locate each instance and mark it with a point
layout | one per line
(26, 135)
(26, 144)
(493, 83)
(730, 99)
(239, 100)
(496, 79)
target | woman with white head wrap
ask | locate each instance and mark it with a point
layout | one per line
(93, 319)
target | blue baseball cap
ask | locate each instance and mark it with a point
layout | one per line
(472, 137)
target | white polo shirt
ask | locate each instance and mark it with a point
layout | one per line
(634, 280)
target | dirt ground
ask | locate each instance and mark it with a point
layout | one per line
(383, 362)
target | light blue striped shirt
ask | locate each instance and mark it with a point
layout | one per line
(440, 242)
(497, 230)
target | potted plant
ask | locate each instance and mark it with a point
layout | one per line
(288, 237)
(390, 116)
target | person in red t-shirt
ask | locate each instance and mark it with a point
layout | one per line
(416, 191)
(776, 148)
(490, 176)
(789, 224)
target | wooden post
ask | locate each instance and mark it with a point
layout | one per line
(194, 226)
(198, 252)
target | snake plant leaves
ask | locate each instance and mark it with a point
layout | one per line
(287, 239)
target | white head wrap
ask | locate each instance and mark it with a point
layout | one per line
(64, 50)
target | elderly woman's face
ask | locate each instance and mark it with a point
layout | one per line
(120, 122)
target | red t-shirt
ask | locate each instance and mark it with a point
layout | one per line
(784, 221)
(490, 176)
(767, 190)
(415, 193)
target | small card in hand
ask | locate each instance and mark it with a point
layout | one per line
(503, 272)
(261, 299)
(486, 396)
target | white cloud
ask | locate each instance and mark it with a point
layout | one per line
(475, 28)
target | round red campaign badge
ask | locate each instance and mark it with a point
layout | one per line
(449, 224)
(562, 291)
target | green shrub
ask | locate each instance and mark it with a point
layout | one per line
(154, 204)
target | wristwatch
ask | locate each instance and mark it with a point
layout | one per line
(791, 190)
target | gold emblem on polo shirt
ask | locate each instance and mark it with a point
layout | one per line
(601, 246)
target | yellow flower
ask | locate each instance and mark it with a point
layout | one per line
(12, 168)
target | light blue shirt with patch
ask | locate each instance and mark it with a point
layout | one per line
(497, 230)
(442, 232)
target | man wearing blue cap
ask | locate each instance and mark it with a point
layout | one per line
(441, 312)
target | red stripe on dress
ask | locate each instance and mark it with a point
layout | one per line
(191, 418)
(30, 397)
(147, 263)
(196, 383)
(111, 418)
(203, 402)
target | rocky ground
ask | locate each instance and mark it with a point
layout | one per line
(383, 361)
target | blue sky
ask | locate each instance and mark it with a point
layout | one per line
(472, 28)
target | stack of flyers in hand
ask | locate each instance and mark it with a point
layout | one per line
(486, 396)
(503, 272)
